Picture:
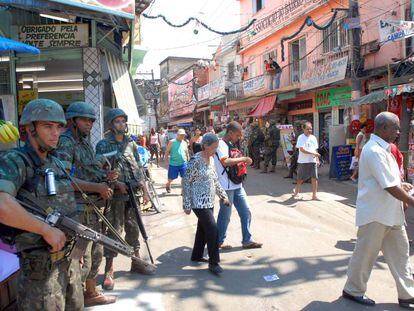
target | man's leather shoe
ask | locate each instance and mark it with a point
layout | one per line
(363, 300)
(406, 303)
(215, 269)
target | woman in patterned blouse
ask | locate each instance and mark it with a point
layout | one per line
(200, 185)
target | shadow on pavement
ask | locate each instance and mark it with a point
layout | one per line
(344, 305)
(243, 277)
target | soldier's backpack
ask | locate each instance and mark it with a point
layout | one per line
(236, 173)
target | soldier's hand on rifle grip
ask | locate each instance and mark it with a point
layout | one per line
(105, 191)
(112, 176)
(187, 211)
(54, 237)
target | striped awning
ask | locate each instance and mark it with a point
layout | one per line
(123, 88)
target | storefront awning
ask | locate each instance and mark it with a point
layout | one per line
(264, 106)
(123, 89)
(373, 97)
(184, 121)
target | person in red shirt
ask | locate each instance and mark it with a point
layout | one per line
(398, 157)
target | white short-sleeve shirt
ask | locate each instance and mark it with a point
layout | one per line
(309, 143)
(221, 154)
(378, 170)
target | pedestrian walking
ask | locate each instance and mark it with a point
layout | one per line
(308, 160)
(271, 144)
(154, 146)
(200, 186)
(163, 143)
(226, 165)
(380, 217)
(195, 141)
(47, 281)
(360, 141)
(176, 157)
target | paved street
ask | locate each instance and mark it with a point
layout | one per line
(307, 244)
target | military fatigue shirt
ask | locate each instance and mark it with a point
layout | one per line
(17, 178)
(126, 162)
(79, 158)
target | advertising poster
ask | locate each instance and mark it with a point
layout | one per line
(180, 96)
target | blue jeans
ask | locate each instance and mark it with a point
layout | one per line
(276, 81)
(237, 197)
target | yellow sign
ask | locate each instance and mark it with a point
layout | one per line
(24, 97)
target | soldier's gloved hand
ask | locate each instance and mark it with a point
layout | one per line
(105, 191)
(54, 237)
(122, 187)
(112, 175)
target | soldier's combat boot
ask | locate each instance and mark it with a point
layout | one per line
(109, 281)
(141, 267)
(273, 169)
(264, 169)
(94, 298)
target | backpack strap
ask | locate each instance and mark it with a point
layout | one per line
(33, 164)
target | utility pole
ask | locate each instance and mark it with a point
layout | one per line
(355, 54)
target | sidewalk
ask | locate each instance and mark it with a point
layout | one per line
(307, 244)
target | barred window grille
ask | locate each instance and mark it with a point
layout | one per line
(335, 36)
(4, 80)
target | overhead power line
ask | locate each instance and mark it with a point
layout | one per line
(223, 33)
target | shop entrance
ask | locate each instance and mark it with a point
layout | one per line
(49, 77)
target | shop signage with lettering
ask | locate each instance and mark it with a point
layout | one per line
(288, 11)
(331, 72)
(55, 35)
(251, 86)
(212, 89)
(333, 97)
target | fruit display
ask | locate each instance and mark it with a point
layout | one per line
(8, 132)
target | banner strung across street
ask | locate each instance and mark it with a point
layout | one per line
(395, 30)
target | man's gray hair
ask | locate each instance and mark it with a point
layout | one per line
(209, 139)
(385, 118)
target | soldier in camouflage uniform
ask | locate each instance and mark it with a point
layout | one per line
(121, 214)
(47, 281)
(271, 143)
(255, 144)
(76, 152)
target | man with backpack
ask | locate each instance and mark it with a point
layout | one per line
(231, 170)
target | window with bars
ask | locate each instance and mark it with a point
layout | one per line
(335, 36)
(257, 5)
(230, 71)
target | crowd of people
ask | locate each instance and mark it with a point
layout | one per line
(87, 184)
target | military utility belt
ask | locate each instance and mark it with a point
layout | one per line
(36, 264)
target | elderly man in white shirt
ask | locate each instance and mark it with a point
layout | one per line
(380, 217)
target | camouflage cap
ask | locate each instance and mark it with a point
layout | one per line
(42, 110)
(115, 113)
(80, 109)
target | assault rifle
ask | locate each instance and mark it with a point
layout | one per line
(82, 234)
(137, 211)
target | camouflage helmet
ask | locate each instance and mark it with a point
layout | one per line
(80, 109)
(115, 113)
(42, 110)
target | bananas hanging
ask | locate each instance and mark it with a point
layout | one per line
(8, 132)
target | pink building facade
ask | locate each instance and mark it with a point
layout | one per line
(315, 79)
